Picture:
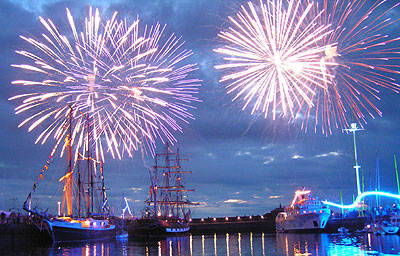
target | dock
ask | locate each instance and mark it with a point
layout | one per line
(232, 224)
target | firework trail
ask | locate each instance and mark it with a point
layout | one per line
(273, 57)
(359, 60)
(132, 85)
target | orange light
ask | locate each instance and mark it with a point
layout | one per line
(299, 193)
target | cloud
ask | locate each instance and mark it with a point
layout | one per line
(235, 201)
(136, 190)
(240, 153)
(38, 6)
(267, 147)
(275, 197)
(200, 204)
(328, 154)
(269, 160)
(5, 165)
(267, 189)
(212, 155)
(295, 156)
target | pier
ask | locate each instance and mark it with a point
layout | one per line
(233, 224)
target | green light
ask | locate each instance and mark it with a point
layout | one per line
(397, 175)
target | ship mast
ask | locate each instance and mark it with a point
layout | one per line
(377, 181)
(88, 171)
(70, 164)
(67, 178)
(178, 182)
(166, 180)
(105, 207)
(154, 187)
(167, 198)
(79, 189)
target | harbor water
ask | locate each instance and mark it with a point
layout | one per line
(223, 244)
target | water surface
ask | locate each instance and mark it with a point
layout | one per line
(224, 244)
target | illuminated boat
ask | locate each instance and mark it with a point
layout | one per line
(90, 222)
(167, 213)
(382, 228)
(389, 228)
(304, 214)
(386, 227)
(395, 220)
(90, 219)
(65, 229)
(153, 227)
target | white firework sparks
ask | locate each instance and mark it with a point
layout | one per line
(132, 85)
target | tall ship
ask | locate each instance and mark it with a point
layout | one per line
(305, 213)
(84, 213)
(167, 212)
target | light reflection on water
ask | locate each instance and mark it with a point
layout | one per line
(253, 244)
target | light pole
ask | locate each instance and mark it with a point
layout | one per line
(354, 129)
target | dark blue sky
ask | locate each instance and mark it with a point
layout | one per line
(241, 165)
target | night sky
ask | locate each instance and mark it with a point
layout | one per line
(241, 164)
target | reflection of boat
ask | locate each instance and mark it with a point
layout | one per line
(86, 223)
(301, 244)
(382, 228)
(305, 213)
(167, 212)
(167, 245)
(395, 220)
(174, 245)
(389, 228)
(343, 230)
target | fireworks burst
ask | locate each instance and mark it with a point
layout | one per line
(324, 61)
(359, 60)
(274, 55)
(130, 84)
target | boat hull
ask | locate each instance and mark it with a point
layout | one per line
(313, 222)
(391, 230)
(154, 227)
(67, 232)
(383, 228)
